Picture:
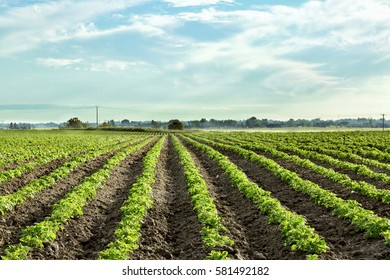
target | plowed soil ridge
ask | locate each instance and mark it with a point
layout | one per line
(254, 237)
(171, 229)
(36, 209)
(85, 236)
(16, 183)
(377, 206)
(349, 173)
(342, 238)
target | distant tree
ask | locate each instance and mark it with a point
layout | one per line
(252, 122)
(290, 123)
(125, 122)
(175, 124)
(264, 122)
(105, 124)
(75, 123)
(370, 122)
(111, 123)
(156, 124)
(195, 124)
(203, 123)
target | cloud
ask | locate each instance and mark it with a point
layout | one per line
(26, 28)
(110, 65)
(319, 51)
(91, 64)
(187, 3)
(58, 62)
(331, 23)
(276, 44)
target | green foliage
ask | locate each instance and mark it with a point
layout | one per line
(312, 257)
(75, 123)
(71, 205)
(217, 255)
(16, 252)
(212, 223)
(8, 202)
(175, 125)
(296, 233)
(363, 219)
(134, 209)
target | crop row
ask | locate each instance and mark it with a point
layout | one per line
(294, 229)
(47, 151)
(346, 155)
(9, 201)
(343, 179)
(134, 209)
(29, 146)
(362, 219)
(211, 222)
(356, 168)
(70, 206)
(372, 147)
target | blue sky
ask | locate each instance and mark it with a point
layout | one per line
(144, 60)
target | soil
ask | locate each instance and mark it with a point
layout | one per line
(254, 237)
(16, 183)
(85, 236)
(379, 207)
(171, 229)
(35, 209)
(344, 241)
(377, 183)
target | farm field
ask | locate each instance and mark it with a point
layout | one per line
(213, 195)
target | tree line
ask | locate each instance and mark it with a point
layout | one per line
(203, 123)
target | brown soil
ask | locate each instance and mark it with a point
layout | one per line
(368, 203)
(13, 165)
(171, 229)
(16, 183)
(85, 236)
(342, 238)
(254, 237)
(35, 209)
(353, 175)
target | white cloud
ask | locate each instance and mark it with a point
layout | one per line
(89, 31)
(331, 23)
(110, 66)
(58, 62)
(266, 53)
(26, 28)
(186, 3)
(92, 64)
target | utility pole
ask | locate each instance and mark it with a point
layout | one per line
(383, 122)
(97, 116)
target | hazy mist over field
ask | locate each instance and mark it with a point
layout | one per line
(146, 60)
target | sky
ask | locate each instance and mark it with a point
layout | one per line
(193, 59)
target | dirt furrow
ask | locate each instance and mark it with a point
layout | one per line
(85, 236)
(342, 238)
(378, 207)
(16, 183)
(171, 229)
(349, 173)
(35, 209)
(254, 238)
